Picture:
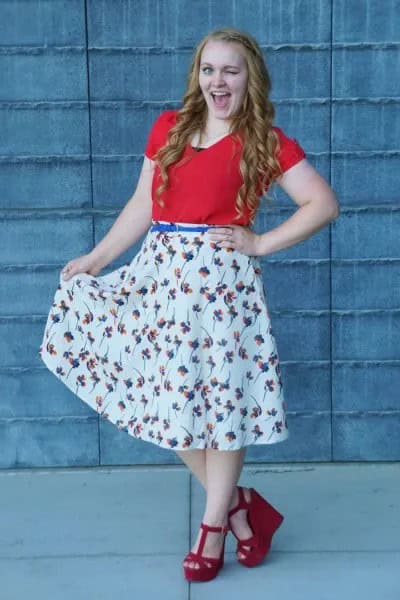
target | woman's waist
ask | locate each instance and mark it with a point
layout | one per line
(158, 225)
(162, 225)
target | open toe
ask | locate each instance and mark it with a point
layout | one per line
(198, 567)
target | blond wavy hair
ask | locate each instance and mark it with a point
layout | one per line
(252, 125)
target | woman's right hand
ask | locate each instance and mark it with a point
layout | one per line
(86, 263)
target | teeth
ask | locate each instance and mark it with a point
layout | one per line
(220, 93)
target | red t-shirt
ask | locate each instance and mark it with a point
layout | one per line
(204, 188)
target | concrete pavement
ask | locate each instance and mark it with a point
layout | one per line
(122, 532)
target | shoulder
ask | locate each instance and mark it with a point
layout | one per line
(166, 119)
(158, 132)
(284, 138)
(290, 151)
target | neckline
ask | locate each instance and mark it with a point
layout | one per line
(203, 148)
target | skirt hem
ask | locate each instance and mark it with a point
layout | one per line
(273, 439)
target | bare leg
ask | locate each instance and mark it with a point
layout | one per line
(223, 471)
(218, 471)
(196, 461)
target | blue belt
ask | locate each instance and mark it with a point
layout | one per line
(176, 227)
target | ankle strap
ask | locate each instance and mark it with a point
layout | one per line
(223, 528)
(242, 503)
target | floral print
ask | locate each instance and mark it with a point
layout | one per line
(175, 348)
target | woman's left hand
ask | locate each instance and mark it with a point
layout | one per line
(239, 237)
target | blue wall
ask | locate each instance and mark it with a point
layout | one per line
(81, 84)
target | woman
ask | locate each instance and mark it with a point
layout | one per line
(176, 348)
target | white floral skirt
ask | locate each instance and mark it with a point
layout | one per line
(175, 348)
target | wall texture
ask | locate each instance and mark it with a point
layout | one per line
(81, 84)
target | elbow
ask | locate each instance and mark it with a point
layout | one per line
(326, 203)
(335, 209)
(335, 212)
(328, 207)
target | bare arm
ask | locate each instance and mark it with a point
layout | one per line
(318, 206)
(131, 223)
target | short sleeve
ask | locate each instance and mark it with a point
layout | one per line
(290, 152)
(158, 132)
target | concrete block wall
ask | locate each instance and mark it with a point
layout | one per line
(81, 83)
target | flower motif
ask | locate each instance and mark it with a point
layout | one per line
(176, 347)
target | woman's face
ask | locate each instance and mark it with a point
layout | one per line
(223, 78)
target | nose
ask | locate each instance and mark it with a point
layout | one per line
(218, 77)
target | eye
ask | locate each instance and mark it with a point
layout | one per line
(204, 69)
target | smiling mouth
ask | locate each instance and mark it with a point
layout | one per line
(220, 99)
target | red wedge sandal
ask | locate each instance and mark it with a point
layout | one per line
(263, 519)
(205, 572)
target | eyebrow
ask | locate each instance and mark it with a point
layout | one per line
(229, 66)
